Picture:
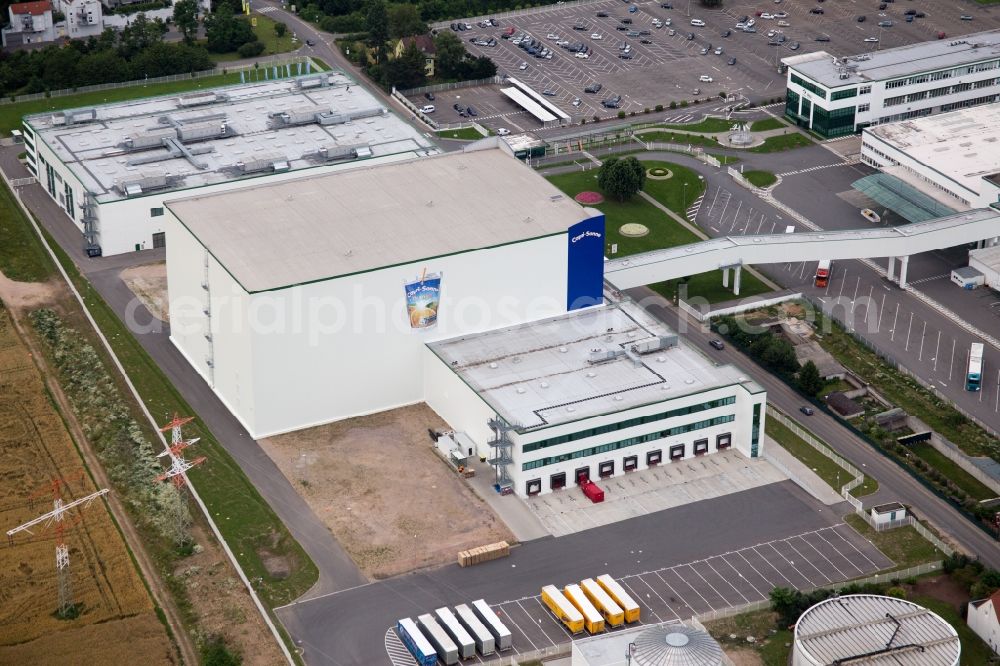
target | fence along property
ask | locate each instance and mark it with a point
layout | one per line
(859, 478)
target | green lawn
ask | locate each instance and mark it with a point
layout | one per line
(760, 178)
(766, 124)
(725, 159)
(677, 137)
(958, 476)
(465, 134)
(974, 651)
(709, 286)
(672, 193)
(663, 231)
(902, 545)
(776, 144)
(245, 519)
(21, 257)
(264, 30)
(11, 114)
(834, 475)
(705, 125)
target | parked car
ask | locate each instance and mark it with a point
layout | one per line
(690, 36)
(965, 17)
(871, 40)
(666, 5)
(457, 107)
(429, 96)
(602, 14)
(632, 33)
(596, 35)
(861, 19)
(727, 32)
(704, 50)
(645, 41)
(816, 10)
(612, 102)
(705, 78)
(717, 344)
(732, 61)
(523, 66)
(780, 15)
(593, 88)
(471, 111)
(502, 131)
(671, 32)
(885, 24)
(626, 21)
(549, 93)
(625, 56)
(427, 108)
(310, 42)
(583, 56)
(576, 101)
(766, 15)
(794, 46)
(718, 50)
(822, 38)
(632, 9)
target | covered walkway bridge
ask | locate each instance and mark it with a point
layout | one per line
(732, 252)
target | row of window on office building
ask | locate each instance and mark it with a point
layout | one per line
(940, 92)
(944, 74)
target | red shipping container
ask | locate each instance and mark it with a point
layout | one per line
(592, 491)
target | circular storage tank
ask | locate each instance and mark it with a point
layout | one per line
(676, 645)
(869, 628)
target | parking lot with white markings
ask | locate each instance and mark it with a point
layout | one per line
(669, 67)
(810, 559)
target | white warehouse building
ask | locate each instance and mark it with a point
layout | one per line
(310, 300)
(837, 96)
(953, 158)
(111, 168)
(595, 393)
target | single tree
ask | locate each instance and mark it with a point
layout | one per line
(227, 32)
(377, 20)
(809, 380)
(406, 71)
(280, 29)
(405, 21)
(186, 19)
(450, 54)
(621, 178)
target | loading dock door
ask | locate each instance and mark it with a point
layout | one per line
(581, 474)
(557, 481)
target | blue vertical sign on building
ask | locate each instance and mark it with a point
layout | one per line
(585, 278)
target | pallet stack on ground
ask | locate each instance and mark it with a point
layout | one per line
(481, 554)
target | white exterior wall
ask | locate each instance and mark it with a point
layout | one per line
(278, 377)
(739, 428)
(984, 622)
(456, 403)
(877, 152)
(876, 98)
(126, 223)
(84, 18)
(990, 273)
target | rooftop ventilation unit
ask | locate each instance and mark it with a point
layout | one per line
(600, 355)
(151, 139)
(314, 81)
(146, 182)
(203, 131)
(341, 118)
(263, 162)
(200, 99)
(650, 345)
(74, 117)
(302, 115)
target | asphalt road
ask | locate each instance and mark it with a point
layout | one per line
(894, 483)
(348, 627)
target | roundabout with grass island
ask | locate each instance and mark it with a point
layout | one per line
(659, 173)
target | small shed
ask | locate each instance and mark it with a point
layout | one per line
(968, 277)
(885, 514)
(829, 367)
(891, 419)
(843, 405)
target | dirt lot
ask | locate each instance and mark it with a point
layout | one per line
(384, 492)
(105, 583)
(149, 284)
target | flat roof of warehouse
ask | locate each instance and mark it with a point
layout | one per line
(541, 373)
(962, 145)
(334, 115)
(330, 225)
(900, 61)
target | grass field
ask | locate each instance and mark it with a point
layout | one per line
(264, 30)
(766, 124)
(105, 583)
(11, 114)
(677, 192)
(22, 258)
(902, 545)
(958, 476)
(760, 178)
(776, 144)
(834, 475)
(678, 137)
(463, 134)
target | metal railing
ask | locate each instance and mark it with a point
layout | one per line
(438, 87)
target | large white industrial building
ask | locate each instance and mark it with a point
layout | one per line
(594, 393)
(112, 167)
(836, 96)
(463, 280)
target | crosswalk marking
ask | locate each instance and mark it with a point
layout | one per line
(266, 9)
(928, 279)
(808, 169)
(692, 211)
